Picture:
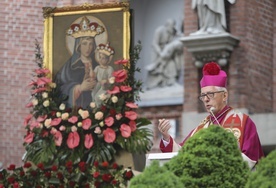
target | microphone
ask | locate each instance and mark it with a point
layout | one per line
(211, 111)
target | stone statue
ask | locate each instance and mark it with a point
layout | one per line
(167, 56)
(211, 16)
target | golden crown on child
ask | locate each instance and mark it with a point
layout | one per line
(106, 49)
(85, 29)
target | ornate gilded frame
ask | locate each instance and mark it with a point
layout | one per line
(115, 16)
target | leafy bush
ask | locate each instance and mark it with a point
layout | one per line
(155, 176)
(210, 158)
(264, 176)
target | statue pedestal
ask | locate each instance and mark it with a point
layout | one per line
(210, 47)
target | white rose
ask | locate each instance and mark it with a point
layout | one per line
(47, 123)
(93, 105)
(64, 116)
(74, 129)
(111, 80)
(114, 99)
(102, 96)
(101, 124)
(46, 103)
(99, 115)
(79, 124)
(58, 114)
(35, 101)
(44, 95)
(62, 106)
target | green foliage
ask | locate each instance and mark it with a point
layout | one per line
(265, 174)
(155, 176)
(210, 158)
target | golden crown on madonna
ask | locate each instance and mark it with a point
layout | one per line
(106, 49)
(85, 29)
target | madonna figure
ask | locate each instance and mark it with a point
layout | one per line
(76, 78)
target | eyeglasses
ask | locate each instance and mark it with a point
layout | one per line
(209, 95)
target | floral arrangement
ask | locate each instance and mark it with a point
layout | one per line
(57, 135)
(70, 175)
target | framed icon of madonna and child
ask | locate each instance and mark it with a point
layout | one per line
(81, 44)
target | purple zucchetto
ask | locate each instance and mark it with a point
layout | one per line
(213, 75)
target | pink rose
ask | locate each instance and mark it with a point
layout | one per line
(120, 75)
(132, 125)
(114, 90)
(125, 88)
(29, 138)
(131, 115)
(109, 135)
(73, 119)
(131, 105)
(125, 130)
(88, 142)
(109, 121)
(86, 124)
(73, 140)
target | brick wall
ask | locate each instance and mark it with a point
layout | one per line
(21, 23)
(252, 65)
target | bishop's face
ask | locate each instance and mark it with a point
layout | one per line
(213, 96)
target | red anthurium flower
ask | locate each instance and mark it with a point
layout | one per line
(73, 119)
(42, 71)
(86, 124)
(121, 62)
(58, 138)
(114, 90)
(131, 105)
(43, 80)
(29, 138)
(132, 125)
(41, 118)
(125, 130)
(109, 135)
(27, 119)
(109, 121)
(88, 142)
(33, 124)
(73, 140)
(55, 121)
(125, 88)
(39, 90)
(29, 105)
(131, 115)
(120, 75)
